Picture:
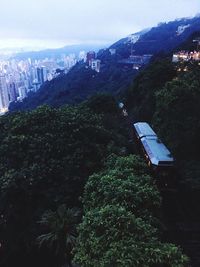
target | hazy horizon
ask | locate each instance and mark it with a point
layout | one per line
(49, 24)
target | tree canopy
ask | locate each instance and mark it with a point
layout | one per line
(46, 157)
(118, 228)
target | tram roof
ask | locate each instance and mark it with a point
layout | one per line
(144, 129)
(157, 151)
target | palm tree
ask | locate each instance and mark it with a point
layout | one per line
(61, 232)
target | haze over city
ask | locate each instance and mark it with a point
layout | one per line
(40, 24)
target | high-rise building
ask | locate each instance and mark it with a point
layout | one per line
(12, 92)
(45, 72)
(40, 75)
(4, 97)
(82, 56)
(112, 51)
(96, 64)
(22, 92)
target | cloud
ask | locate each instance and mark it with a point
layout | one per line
(72, 21)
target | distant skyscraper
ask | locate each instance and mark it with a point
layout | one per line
(40, 75)
(4, 97)
(82, 56)
(96, 64)
(12, 92)
(22, 92)
(45, 72)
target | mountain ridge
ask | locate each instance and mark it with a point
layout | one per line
(54, 52)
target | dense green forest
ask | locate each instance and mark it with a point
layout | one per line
(46, 157)
(121, 226)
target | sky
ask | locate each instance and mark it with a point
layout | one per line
(56, 23)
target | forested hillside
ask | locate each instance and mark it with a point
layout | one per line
(169, 100)
(79, 84)
(164, 37)
(46, 157)
(167, 95)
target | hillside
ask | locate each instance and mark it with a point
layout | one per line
(60, 164)
(115, 75)
(76, 86)
(167, 96)
(164, 37)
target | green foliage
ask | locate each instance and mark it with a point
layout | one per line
(45, 158)
(131, 164)
(103, 103)
(177, 113)
(140, 98)
(118, 229)
(61, 234)
(125, 183)
(112, 236)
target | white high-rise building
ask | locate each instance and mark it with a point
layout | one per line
(96, 64)
(82, 56)
(22, 92)
(4, 97)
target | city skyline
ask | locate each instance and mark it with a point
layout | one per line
(52, 24)
(20, 77)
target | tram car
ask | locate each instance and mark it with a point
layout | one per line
(155, 152)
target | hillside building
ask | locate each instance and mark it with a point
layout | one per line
(186, 56)
(90, 56)
(112, 51)
(96, 65)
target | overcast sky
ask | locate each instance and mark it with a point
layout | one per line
(54, 23)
